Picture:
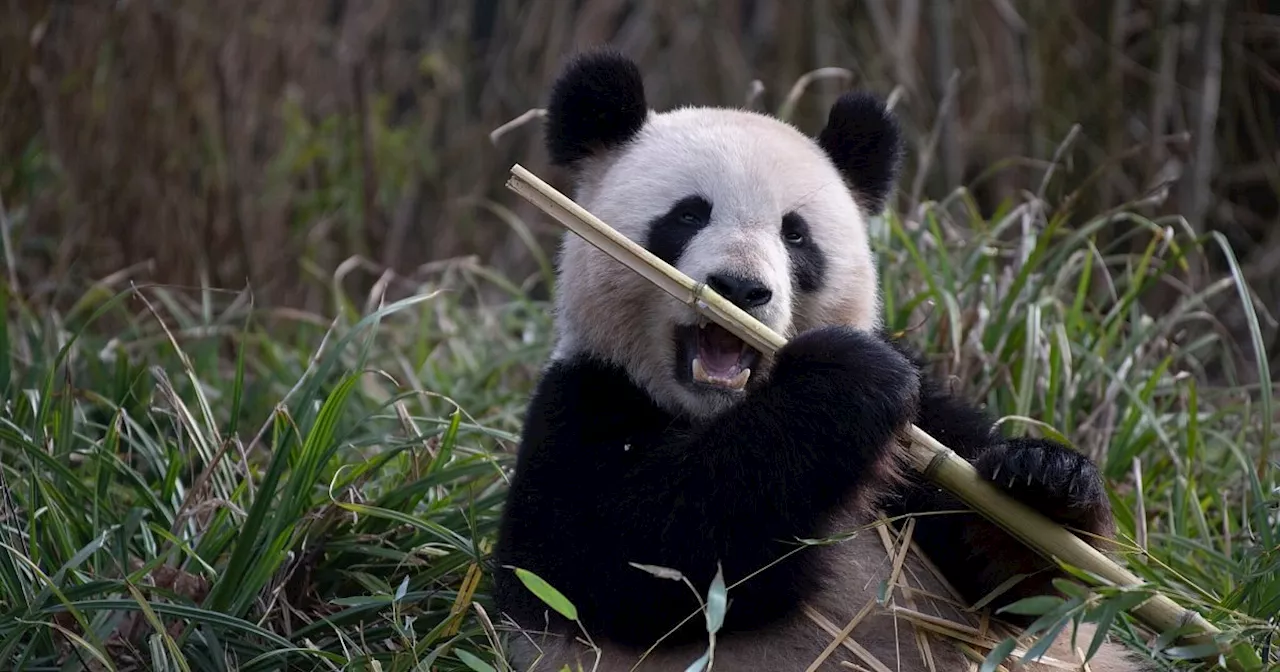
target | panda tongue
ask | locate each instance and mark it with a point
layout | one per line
(719, 351)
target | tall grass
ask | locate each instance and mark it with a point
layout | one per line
(206, 485)
(1036, 319)
(194, 482)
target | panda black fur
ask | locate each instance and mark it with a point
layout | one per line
(627, 458)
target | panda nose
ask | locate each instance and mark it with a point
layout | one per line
(745, 293)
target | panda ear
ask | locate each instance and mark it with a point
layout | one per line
(597, 104)
(864, 141)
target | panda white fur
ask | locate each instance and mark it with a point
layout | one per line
(656, 438)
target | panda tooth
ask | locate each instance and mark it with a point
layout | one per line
(700, 373)
(740, 381)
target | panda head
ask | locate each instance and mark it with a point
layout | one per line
(768, 217)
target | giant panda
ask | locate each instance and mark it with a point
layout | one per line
(656, 438)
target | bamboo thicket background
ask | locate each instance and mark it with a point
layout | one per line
(235, 143)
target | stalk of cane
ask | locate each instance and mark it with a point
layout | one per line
(925, 453)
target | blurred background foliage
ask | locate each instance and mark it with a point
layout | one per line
(264, 143)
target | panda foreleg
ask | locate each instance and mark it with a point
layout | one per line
(973, 553)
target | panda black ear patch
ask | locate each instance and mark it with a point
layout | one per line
(864, 141)
(597, 103)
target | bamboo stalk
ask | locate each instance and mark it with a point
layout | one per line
(925, 453)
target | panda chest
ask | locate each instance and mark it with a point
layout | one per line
(633, 443)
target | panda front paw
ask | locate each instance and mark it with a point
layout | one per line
(851, 370)
(1052, 479)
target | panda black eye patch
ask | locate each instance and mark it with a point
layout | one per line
(808, 265)
(670, 233)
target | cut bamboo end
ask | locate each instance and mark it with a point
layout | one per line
(924, 453)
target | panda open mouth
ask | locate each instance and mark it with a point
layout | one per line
(712, 356)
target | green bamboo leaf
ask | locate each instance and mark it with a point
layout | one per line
(701, 663)
(1032, 606)
(660, 572)
(545, 592)
(717, 599)
(1042, 645)
(1107, 614)
(998, 654)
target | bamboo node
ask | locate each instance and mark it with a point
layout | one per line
(940, 455)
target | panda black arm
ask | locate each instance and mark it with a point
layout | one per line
(1045, 475)
(737, 491)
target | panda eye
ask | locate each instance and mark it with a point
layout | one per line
(692, 212)
(794, 229)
